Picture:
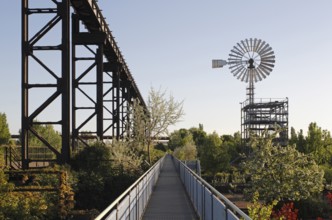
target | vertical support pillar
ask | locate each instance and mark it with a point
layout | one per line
(65, 81)
(24, 86)
(100, 93)
(31, 49)
(75, 30)
(116, 102)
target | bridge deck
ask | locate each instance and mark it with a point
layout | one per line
(169, 199)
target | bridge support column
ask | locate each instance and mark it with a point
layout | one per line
(41, 77)
(87, 84)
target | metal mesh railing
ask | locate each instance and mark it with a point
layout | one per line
(208, 202)
(132, 203)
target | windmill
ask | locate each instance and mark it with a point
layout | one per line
(252, 60)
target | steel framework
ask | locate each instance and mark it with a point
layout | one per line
(32, 48)
(264, 116)
(101, 86)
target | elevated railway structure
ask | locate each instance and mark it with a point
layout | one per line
(87, 93)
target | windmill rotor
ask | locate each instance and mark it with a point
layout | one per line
(251, 59)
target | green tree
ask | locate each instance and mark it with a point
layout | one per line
(179, 138)
(94, 168)
(281, 173)
(214, 157)
(186, 152)
(199, 134)
(4, 129)
(233, 145)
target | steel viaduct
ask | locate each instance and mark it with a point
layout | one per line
(80, 25)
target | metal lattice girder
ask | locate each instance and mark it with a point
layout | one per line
(118, 101)
(85, 79)
(91, 16)
(32, 46)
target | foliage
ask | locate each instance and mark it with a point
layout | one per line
(186, 152)
(162, 113)
(214, 157)
(327, 174)
(95, 158)
(4, 129)
(156, 154)
(180, 138)
(318, 142)
(221, 178)
(36, 204)
(104, 172)
(313, 207)
(198, 134)
(281, 172)
(329, 198)
(287, 212)
(233, 145)
(125, 158)
(48, 133)
(257, 210)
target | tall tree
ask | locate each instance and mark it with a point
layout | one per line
(293, 137)
(213, 155)
(4, 129)
(199, 134)
(162, 112)
(281, 173)
(179, 138)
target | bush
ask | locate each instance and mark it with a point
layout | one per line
(313, 207)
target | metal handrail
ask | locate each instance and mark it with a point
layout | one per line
(215, 192)
(125, 194)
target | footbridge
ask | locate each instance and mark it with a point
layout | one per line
(171, 190)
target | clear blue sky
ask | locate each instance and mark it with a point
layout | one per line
(170, 44)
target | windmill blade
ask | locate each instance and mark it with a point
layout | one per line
(248, 45)
(264, 72)
(235, 66)
(266, 69)
(258, 44)
(244, 46)
(255, 76)
(260, 72)
(266, 51)
(244, 75)
(267, 54)
(255, 45)
(263, 48)
(241, 74)
(237, 53)
(258, 75)
(262, 44)
(267, 64)
(251, 44)
(236, 71)
(268, 57)
(244, 51)
(232, 55)
(268, 61)
(238, 50)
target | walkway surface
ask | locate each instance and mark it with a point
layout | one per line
(169, 199)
